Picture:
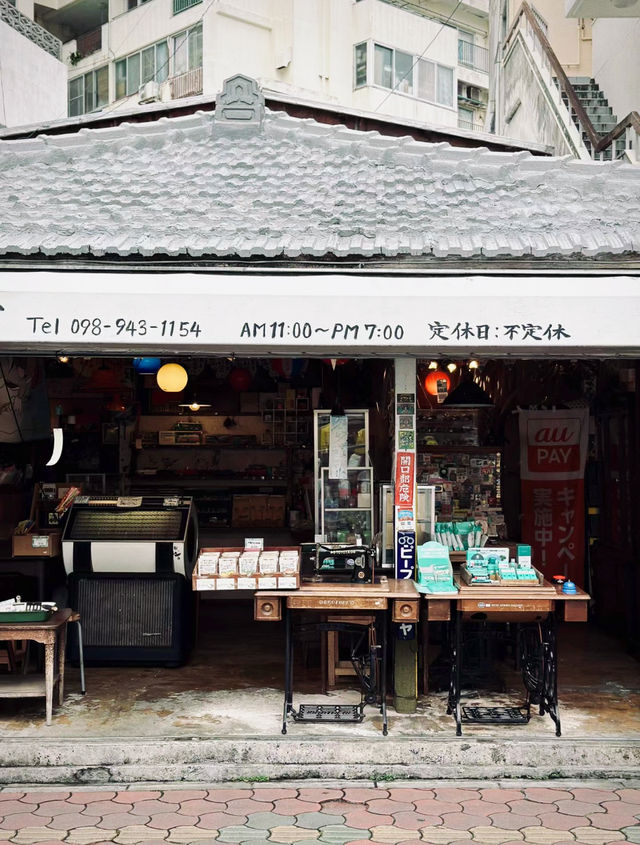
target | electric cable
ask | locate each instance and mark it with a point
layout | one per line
(405, 75)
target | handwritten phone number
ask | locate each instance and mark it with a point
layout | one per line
(96, 326)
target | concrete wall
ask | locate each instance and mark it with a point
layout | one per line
(533, 119)
(616, 62)
(34, 83)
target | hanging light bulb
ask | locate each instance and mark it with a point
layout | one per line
(452, 367)
(172, 378)
(473, 365)
(64, 359)
(194, 405)
(433, 365)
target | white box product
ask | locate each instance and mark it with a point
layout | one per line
(226, 583)
(267, 582)
(206, 584)
(247, 583)
(287, 582)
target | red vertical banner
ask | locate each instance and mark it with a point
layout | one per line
(553, 454)
(405, 479)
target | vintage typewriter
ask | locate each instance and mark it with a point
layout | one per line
(338, 562)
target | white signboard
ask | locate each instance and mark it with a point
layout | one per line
(318, 314)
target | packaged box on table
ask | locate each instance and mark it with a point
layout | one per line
(239, 569)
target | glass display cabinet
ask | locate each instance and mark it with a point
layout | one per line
(347, 506)
(425, 519)
(357, 450)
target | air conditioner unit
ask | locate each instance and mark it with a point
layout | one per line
(149, 92)
(468, 92)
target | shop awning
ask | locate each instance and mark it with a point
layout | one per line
(319, 314)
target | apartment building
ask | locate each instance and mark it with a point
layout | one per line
(420, 60)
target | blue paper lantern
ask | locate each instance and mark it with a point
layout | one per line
(147, 366)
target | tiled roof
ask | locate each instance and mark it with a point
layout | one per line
(300, 188)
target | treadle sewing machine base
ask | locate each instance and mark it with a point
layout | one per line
(328, 713)
(534, 610)
(539, 662)
(370, 668)
(495, 715)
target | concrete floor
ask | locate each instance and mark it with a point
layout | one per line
(232, 687)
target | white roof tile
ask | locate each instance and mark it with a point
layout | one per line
(173, 187)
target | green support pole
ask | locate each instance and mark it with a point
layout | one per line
(405, 673)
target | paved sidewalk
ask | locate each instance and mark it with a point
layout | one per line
(341, 813)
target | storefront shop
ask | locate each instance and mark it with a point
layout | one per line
(349, 373)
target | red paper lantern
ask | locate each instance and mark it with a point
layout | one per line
(431, 382)
(240, 379)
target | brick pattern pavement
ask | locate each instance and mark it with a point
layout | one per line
(323, 815)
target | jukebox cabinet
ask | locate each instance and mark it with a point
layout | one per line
(129, 562)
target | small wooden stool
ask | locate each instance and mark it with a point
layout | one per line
(337, 668)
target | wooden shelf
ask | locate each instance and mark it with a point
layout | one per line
(186, 481)
(472, 450)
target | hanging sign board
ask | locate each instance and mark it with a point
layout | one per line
(405, 554)
(405, 479)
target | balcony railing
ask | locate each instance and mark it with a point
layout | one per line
(471, 55)
(181, 5)
(89, 42)
(30, 29)
(470, 125)
(186, 84)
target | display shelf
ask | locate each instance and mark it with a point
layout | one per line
(344, 517)
(464, 469)
(448, 450)
(346, 510)
(186, 481)
(357, 449)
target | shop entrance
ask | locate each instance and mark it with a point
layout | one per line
(241, 439)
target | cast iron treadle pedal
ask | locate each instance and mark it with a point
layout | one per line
(328, 713)
(495, 715)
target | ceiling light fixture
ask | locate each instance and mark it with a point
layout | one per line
(473, 365)
(433, 365)
(64, 359)
(452, 367)
(194, 405)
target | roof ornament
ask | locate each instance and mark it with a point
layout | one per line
(239, 106)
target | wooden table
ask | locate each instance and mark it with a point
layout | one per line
(521, 603)
(52, 634)
(336, 600)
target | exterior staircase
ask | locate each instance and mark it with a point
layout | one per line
(599, 113)
(574, 112)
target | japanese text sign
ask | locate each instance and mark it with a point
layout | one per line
(405, 479)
